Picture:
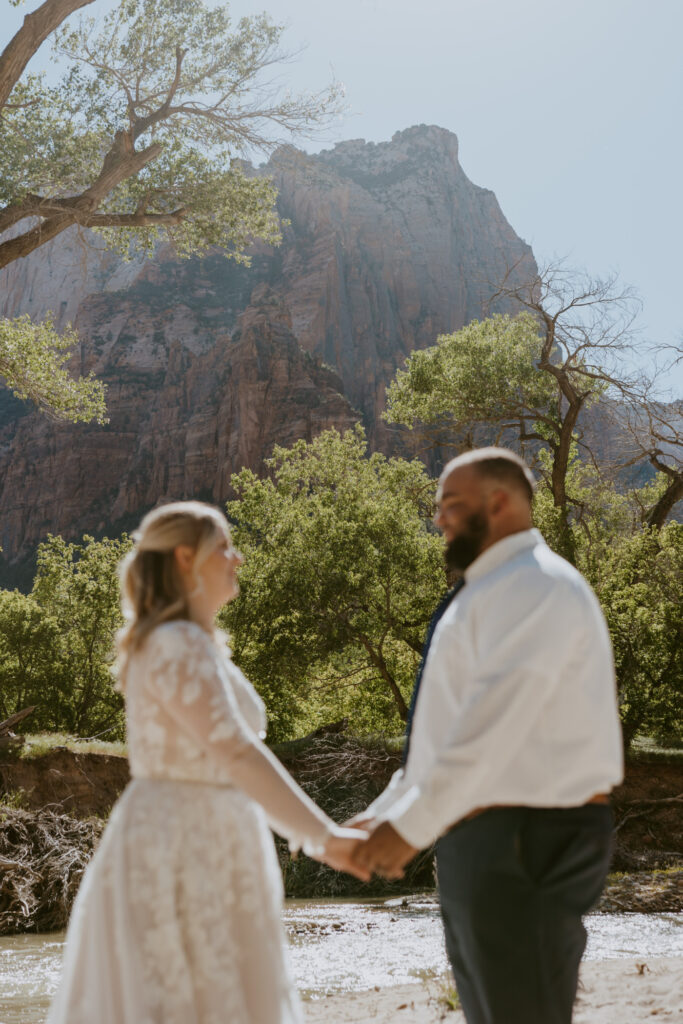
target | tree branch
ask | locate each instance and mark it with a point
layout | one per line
(22, 245)
(36, 28)
(378, 661)
(142, 124)
(132, 220)
(11, 214)
(672, 495)
(121, 162)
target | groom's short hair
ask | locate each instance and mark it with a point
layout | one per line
(499, 464)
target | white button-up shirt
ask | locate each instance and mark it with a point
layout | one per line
(518, 702)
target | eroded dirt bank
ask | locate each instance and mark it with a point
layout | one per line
(54, 808)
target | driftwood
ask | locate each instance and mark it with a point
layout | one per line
(647, 807)
(333, 729)
(9, 741)
(9, 723)
(42, 858)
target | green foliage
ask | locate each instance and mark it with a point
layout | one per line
(519, 380)
(76, 585)
(486, 373)
(494, 375)
(57, 644)
(15, 799)
(341, 575)
(599, 512)
(41, 743)
(169, 93)
(637, 574)
(139, 142)
(32, 362)
(638, 581)
(646, 748)
(43, 150)
(449, 997)
(28, 638)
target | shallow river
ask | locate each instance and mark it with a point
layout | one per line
(339, 946)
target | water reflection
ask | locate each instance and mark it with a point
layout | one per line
(339, 946)
(29, 972)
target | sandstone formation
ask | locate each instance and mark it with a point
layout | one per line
(209, 363)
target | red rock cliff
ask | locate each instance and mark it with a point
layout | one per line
(209, 364)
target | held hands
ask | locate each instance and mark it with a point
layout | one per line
(363, 848)
(340, 849)
(384, 853)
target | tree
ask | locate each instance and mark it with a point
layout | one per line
(486, 374)
(28, 638)
(636, 572)
(589, 347)
(530, 378)
(655, 432)
(638, 581)
(137, 142)
(57, 644)
(139, 139)
(341, 575)
(32, 362)
(77, 586)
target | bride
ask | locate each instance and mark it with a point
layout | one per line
(177, 920)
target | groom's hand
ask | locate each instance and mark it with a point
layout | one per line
(385, 853)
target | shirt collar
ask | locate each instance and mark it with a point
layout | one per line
(502, 551)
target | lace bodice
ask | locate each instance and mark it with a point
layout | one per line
(193, 716)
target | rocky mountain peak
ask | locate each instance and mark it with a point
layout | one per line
(210, 363)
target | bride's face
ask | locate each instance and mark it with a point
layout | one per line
(218, 574)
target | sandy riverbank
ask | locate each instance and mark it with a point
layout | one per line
(611, 992)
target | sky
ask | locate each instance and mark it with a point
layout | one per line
(569, 112)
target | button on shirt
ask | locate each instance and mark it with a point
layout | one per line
(518, 700)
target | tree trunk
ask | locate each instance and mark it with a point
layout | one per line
(673, 494)
(379, 662)
(561, 455)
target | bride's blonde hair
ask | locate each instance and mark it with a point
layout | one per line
(152, 589)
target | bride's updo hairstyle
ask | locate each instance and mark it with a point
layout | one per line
(152, 588)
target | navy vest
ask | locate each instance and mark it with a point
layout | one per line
(433, 622)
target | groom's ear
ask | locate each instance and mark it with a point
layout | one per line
(183, 556)
(499, 501)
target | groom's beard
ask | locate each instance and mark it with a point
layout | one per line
(467, 545)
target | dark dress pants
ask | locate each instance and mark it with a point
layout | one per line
(513, 884)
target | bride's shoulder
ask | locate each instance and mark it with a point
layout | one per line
(178, 635)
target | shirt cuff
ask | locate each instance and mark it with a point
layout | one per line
(387, 796)
(412, 819)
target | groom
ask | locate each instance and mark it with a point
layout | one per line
(513, 748)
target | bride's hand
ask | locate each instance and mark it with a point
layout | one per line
(339, 850)
(363, 821)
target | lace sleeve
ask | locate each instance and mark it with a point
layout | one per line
(191, 683)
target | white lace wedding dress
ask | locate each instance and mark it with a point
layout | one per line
(177, 920)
